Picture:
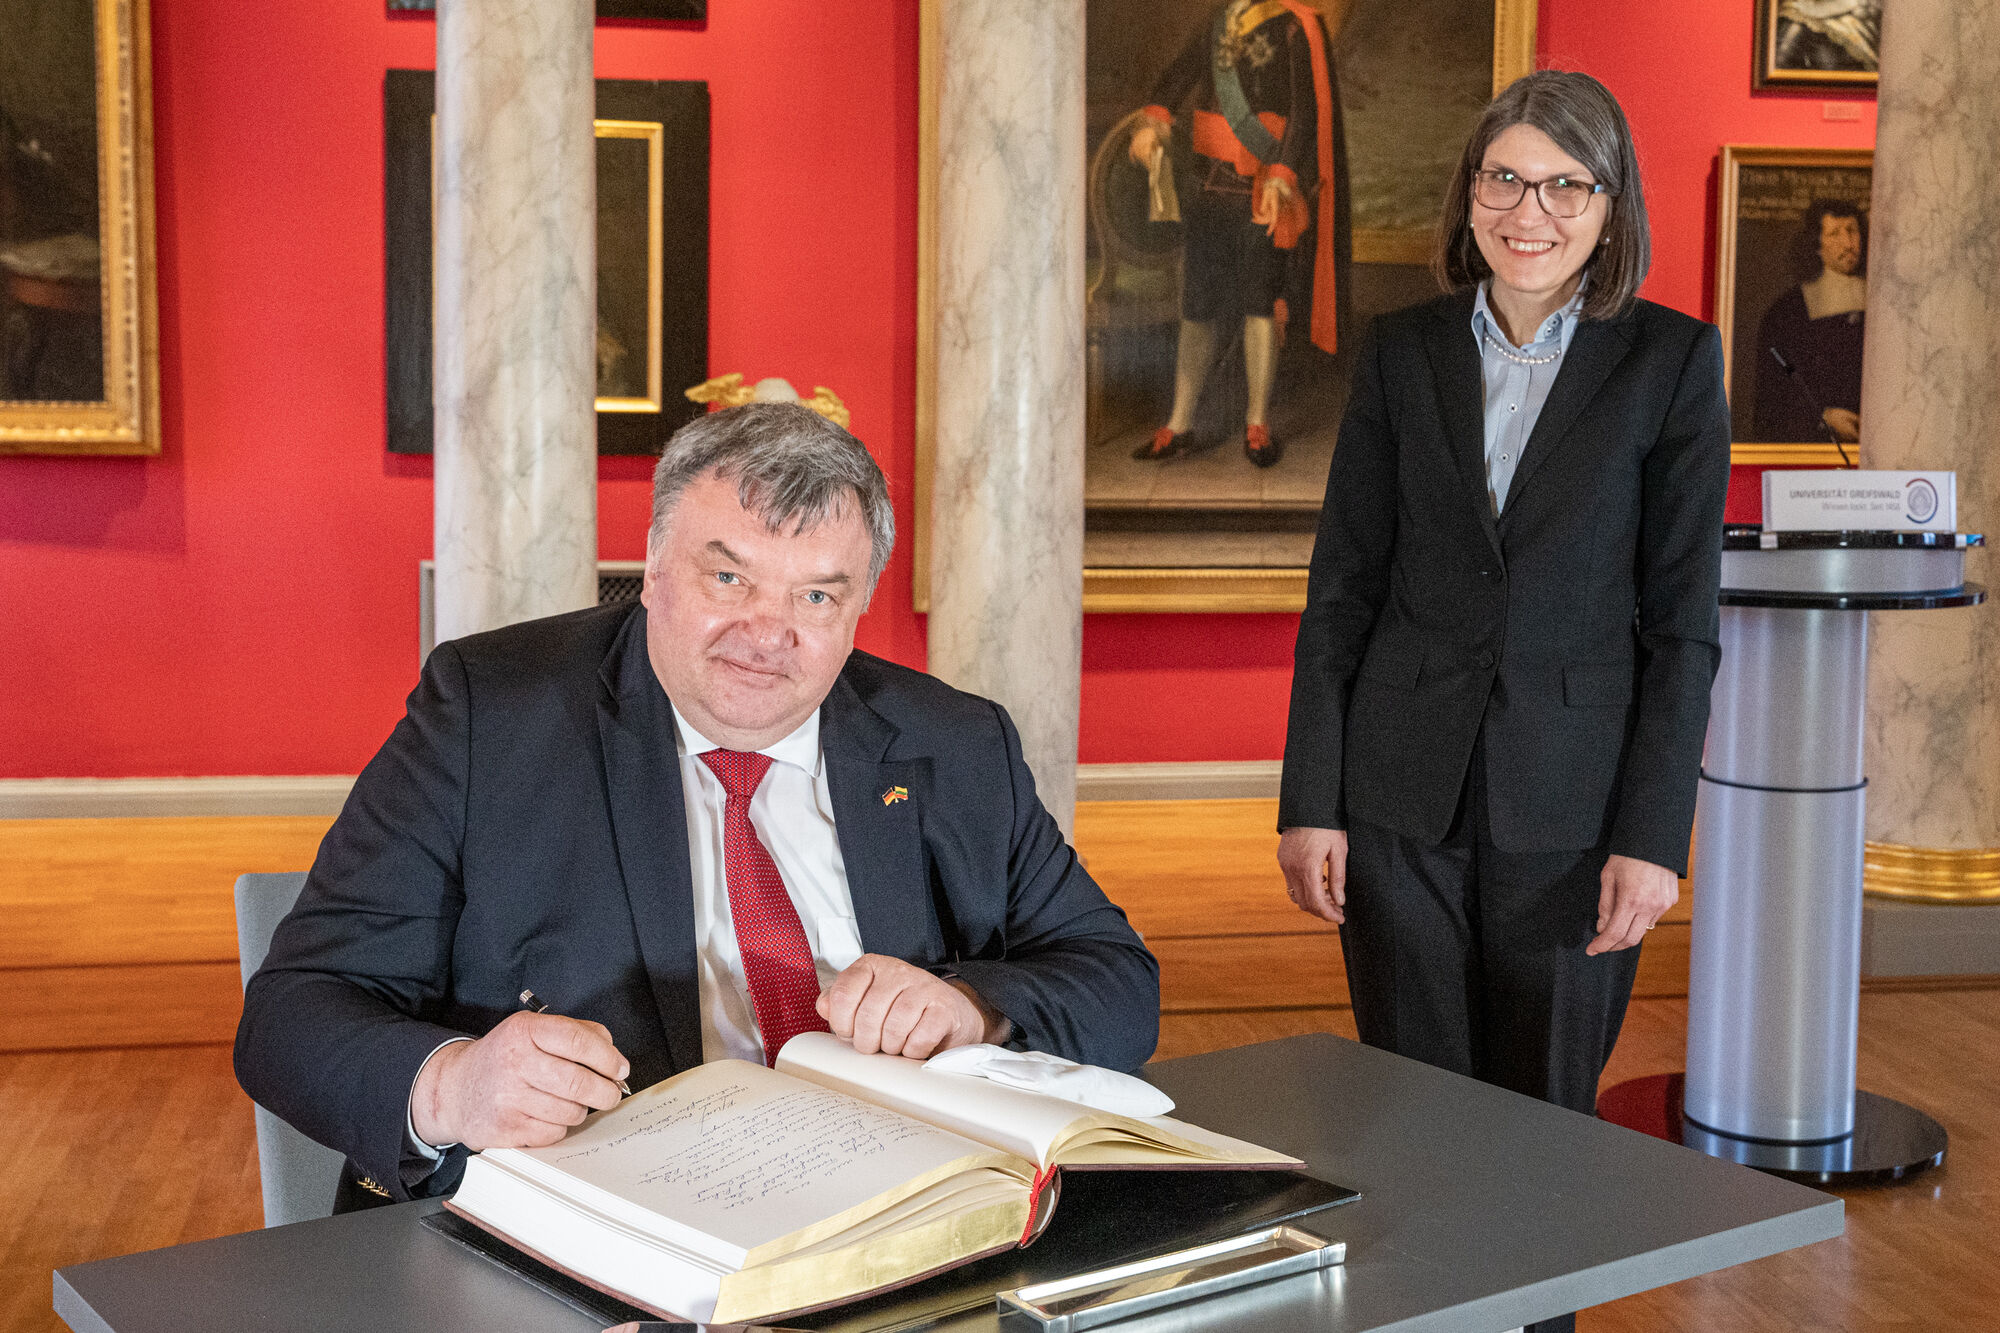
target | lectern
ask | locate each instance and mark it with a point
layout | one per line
(1775, 965)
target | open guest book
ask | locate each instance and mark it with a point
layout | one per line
(732, 1193)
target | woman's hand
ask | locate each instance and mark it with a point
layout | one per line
(1635, 894)
(1315, 864)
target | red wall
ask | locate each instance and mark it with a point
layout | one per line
(246, 602)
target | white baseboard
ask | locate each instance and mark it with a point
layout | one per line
(1236, 779)
(128, 798)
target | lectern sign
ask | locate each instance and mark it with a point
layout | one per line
(1845, 501)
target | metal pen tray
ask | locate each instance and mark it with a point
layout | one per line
(1087, 1300)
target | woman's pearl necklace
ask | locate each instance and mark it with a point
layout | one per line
(1516, 357)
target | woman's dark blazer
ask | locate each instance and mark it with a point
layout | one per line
(1578, 630)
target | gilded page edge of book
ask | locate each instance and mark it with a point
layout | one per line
(733, 1303)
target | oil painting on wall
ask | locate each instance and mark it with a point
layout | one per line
(652, 259)
(1818, 43)
(78, 362)
(1263, 179)
(1791, 297)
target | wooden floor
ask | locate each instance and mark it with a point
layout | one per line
(1917, 1255)
(111, 1150)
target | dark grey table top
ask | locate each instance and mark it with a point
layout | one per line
(1480, 1209)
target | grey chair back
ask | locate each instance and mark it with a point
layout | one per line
(299, 1176)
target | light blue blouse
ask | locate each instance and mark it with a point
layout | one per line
(1515, 391)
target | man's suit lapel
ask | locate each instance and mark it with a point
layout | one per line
(1461, 391)
(643, 781)
(1595, 351)
(876, 806)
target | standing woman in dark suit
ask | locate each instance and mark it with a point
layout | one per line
(1503, 668)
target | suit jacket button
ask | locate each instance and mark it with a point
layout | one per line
(1486, 661)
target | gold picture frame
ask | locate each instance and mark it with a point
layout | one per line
(126, 420)
(654, 134)
(1787, 173)
(1848, 49)
(1134, 589)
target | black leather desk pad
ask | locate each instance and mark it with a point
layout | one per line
(1102, 1218)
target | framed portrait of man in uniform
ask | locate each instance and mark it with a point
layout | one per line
(1818, 43)
(1262, 177)
(1791, 299)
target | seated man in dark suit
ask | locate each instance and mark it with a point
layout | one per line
(693, 828)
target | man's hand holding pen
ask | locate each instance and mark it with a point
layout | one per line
(534, 1077)
(522, 1085)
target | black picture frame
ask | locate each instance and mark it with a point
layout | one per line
(680, 108)
(606, 9)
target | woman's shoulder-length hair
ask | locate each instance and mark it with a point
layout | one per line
(1585, 121)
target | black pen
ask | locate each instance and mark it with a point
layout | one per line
(534, 1002)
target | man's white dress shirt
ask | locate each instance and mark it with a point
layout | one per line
(793, 815)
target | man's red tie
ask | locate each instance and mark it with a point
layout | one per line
(777, 960)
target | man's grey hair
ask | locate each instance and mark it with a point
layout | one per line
(792, 468)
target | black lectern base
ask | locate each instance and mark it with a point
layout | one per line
(1890, 1140)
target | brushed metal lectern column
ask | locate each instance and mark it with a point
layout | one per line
(1775, 966)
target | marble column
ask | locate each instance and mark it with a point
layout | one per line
(1006, 572)
(515, 314)
(1931, 399)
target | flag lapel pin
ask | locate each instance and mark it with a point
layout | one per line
(895, 794)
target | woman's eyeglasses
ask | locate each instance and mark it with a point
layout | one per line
(1560, 196)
